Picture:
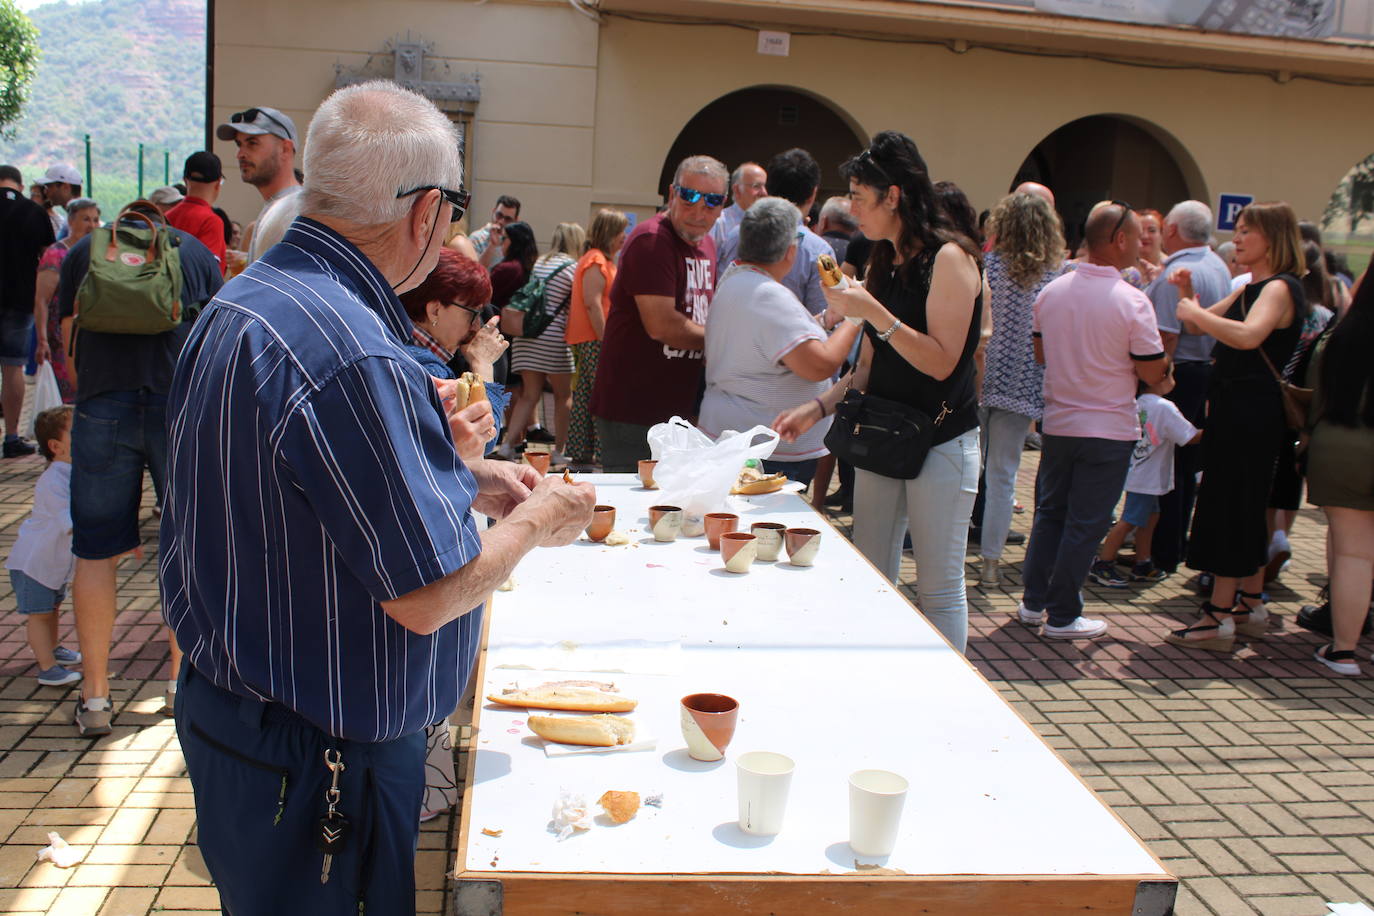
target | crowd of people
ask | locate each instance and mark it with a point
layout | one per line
(318, 473)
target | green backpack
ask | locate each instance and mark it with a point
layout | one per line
(133, 282)
(527, 314)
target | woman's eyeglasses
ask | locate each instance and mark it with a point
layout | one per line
(474, 312)
(460, 198)
(690, 196)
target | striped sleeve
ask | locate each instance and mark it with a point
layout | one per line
(373, 456)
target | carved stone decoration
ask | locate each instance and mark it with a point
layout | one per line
(410, 67)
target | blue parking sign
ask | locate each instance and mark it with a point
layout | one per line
(1229, 207)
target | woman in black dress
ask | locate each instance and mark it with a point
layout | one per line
(1245, 421)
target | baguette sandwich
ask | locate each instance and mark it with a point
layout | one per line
(753, 482)
(573, 697)
(831, 275)
(469, 390)
(589, 731)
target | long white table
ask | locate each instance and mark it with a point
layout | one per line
(831, 666)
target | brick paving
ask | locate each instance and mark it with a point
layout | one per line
(1251, 776)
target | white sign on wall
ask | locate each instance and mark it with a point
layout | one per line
(778, 44)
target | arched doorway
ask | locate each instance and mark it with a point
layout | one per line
(1102, 157)
(759, 122)
(1348, 223)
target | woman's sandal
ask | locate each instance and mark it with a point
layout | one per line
(1341, 662)
(1217, 643)
(1244, 615)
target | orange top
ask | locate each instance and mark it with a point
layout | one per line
(579, 325)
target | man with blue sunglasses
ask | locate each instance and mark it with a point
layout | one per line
(651, 365)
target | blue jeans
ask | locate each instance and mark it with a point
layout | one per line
(801, 471)
(114, 437)
(1079, 482)
(935, 508)
(258, 774)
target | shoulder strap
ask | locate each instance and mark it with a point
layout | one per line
(566, 299)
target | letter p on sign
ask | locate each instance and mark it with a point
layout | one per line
(1229, 207)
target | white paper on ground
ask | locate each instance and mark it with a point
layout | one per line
(58, 852)
(1349, 909)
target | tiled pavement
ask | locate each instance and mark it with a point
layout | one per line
(1252, 776)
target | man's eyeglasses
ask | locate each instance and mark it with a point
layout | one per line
(1125, 212)
(866, 159)
(690, 197)
(460, 198)
(249, 115)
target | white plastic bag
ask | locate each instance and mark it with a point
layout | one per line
(45, 394)
(697, 473)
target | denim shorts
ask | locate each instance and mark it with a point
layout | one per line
(1139, 508)
(15, 329)
(32, 596)
(114, 437)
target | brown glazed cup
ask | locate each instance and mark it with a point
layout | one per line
(708, 724)
(646, 473)
(665, 522)
(603, 521)
(802, 545)
(737, 550)
(768, 540)
(718, 523)
(539, 461)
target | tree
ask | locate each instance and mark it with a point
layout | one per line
(18, 63)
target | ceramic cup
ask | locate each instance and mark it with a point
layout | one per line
(737, 550)
(718, 523)
(603, 521)
(875, 811)
(665, 522)
(646, 474)
(764, 780)
(539, 461)
(767, 540)
(708, 724)
(802, 544)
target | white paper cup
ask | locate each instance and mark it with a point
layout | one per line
(764, 780)
(875, 811)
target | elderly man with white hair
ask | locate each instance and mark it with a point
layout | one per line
(321, 565)
(1187, 229)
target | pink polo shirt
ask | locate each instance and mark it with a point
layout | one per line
(1094, 326)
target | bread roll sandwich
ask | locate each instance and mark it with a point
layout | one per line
(753, 482)
(573, 697)
(589, 731)
(469, 390)
(831, 275)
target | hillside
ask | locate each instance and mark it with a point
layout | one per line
(124, 71)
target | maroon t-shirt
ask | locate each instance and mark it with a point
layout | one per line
(638, 379)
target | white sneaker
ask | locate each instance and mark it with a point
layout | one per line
(1028, 617)
(1081, 628)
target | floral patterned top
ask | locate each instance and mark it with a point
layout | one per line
(1012, 379)
(52, 260)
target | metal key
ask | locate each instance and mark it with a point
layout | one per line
(333, 826)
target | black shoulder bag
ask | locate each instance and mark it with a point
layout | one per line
(882, 436)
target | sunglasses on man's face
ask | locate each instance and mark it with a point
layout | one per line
(459, 199)
(690, 197)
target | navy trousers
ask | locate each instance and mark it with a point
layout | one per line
(259, 776)
(1079, 482)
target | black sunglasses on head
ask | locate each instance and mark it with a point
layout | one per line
(1125, 212)
(866, 159)
(459, 199)
(249, 115)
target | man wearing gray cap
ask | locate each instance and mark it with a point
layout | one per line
(266, 141)
(61, 184)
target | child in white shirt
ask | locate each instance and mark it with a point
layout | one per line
(41, 562)
(1162, 428)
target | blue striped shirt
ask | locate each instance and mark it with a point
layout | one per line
(311, 475)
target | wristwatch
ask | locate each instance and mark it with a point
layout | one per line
(896, 323)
